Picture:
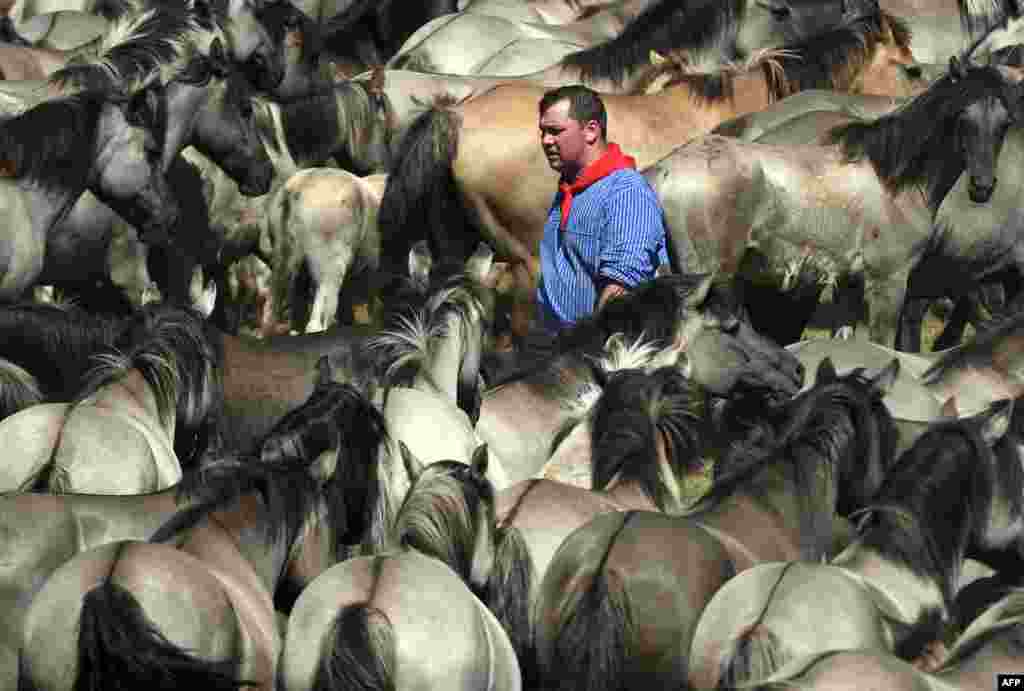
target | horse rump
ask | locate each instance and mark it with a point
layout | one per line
(755, 655)
(119, 649)
(358, 653)
(591, 643)
(421, 199)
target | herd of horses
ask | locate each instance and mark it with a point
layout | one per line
(288, 426)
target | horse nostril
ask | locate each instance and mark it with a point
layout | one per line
(914, 71)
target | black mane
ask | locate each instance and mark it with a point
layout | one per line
(151, 41)
(652, 309)
(829, 426)
(903, 145)
(334, 415)
(54, 143)
(666, 26)
(913, 520)
(55, 344)
(634, 407)
(826, 61)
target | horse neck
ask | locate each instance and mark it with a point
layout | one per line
(444, 369)
(751, 93)
(184, 103)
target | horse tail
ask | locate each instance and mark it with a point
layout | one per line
(120, 648)
(507, 595)
(755, 654)
(421, 199)
(359, 652)
(591, 643)
(18, 389)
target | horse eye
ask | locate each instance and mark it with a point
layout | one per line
(730, 324)
(780, 14)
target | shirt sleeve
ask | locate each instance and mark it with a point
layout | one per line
(633, 242)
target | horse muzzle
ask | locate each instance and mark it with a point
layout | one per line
(980, 193)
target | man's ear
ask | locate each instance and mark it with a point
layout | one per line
(592, 131)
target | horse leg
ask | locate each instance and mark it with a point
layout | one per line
(908, 338)
(885, 298)
(325, 302)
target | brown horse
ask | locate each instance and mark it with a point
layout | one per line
(484, 156)
(950, 493)
(623, 593)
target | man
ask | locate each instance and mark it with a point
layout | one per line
(604, 233)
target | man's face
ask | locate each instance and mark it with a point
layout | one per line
(564, 139)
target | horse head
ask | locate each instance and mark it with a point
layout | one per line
(783, 22)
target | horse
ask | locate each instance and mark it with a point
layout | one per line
(639, 455)
(46, 530)
(449, 155)
(208, 105)
(609, 620)
(961, 381)
(254, 528)
(398, 620)
(55, 151)
(893, 586)
(980, 654)
(117, 436)
(847, 240)
(431, 357)
(710, 34)
(542, 11)
(522, 411)
(655, 426)
(323, 224)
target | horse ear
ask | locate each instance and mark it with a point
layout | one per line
(997, 421)
(420, 263)
(478, 266)
(479, 460)
(701, 291)
(826, 373)
(413, 466)
(949, 408)
(886, 378)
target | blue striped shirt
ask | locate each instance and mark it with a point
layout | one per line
(615, 232)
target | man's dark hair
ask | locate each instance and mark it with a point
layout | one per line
(585, 104)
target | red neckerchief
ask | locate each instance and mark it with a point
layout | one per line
(611, 160)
